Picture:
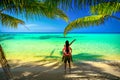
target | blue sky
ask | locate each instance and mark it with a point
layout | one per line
(45, 24)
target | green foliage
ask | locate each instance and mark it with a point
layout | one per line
(85, 22)
(10, 21)
(60, 13)
(30, 9)
(106, 8)
(101, 12)
(70, 4)
(33, 9)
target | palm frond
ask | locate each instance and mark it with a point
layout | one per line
(59, 13)
(6, 3)
(69, 4)
(10, 21)
(85, 22)
(34, 10)
(30, 8)
(59, 3)
(106, 8)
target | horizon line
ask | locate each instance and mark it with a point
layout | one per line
(63, 32)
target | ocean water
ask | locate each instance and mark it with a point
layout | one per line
(87, 47)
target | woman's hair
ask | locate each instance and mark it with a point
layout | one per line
(67, 46)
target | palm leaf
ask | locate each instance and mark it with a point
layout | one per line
(85, 22)
(69, 4)
(10, 21)
(106, 8)
(30, 9)
(40, 9)
(34, 9)
(26, 8)
(62, 15)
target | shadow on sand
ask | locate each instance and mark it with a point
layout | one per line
(54, 69)
(78, 57)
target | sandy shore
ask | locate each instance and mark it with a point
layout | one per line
(54, 70)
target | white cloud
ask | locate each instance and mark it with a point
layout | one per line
(31, 25)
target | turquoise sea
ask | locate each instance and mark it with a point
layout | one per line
(87, 47)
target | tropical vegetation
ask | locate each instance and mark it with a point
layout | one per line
(101, 10)
(29, 9)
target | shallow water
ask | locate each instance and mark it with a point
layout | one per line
(86, 47)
